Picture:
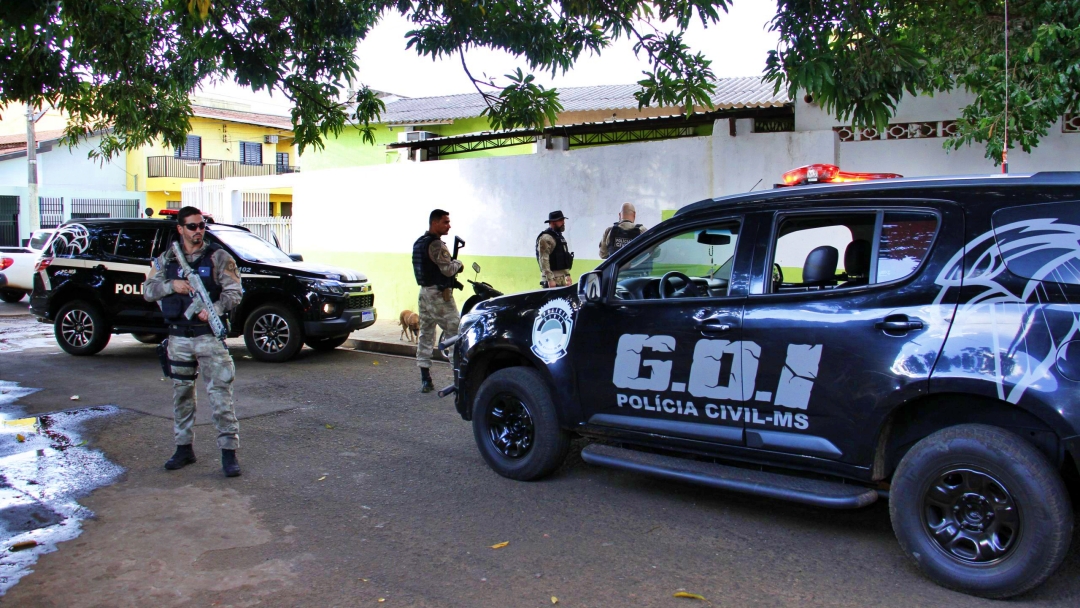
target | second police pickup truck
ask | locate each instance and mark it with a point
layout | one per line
(828, 344)
(89, 286)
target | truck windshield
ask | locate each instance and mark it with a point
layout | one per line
(250, 247)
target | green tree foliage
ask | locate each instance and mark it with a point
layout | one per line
(859, 57)
(130, 65)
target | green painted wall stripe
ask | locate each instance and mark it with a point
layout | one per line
(395, 288)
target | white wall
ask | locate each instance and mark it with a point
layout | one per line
(62, 166)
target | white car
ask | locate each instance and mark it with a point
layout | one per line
(17, 266)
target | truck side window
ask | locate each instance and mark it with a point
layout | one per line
(905, 239)
(135, 243)
(816, 252)
(107, 241)
(704, 254)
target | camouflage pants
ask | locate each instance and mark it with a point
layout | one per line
(434, 310)
(561, 277)
(217, 367)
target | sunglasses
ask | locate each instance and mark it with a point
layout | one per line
(193, 226)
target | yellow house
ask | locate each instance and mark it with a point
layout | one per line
(222, 143)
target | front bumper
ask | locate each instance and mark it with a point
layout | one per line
(348, 322)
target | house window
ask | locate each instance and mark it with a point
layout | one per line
(192, 148)
(286, 209)
(282, 160)
(250, 153)
(173, 205)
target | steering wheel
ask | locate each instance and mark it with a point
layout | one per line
(777, 277)
(690, 290)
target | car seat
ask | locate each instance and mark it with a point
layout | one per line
(819, 269)
(857, 263)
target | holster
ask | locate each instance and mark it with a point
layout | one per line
(167, 363)
(448, 294)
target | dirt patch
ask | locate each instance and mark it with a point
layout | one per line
(157, 547)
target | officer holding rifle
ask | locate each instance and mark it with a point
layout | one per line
(195, 294)
(435, 270)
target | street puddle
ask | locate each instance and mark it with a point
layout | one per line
(45, 467)
(18, 333)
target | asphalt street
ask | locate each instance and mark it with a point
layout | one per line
(359, 490)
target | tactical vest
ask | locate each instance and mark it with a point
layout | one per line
(618, 237)
(174, 304)
(427, 272)
(561, 258)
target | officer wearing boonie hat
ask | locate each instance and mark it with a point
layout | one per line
(553, 253)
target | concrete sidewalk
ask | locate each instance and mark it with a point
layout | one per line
(385, 337)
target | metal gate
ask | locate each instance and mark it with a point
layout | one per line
(86, 208)
(9, 221)
(51, 211)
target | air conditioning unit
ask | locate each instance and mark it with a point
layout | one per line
(415, 136)
(270, 139)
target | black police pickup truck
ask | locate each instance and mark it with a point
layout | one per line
(915, 339)
(89, 285)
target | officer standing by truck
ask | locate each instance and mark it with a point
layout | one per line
(435, 270)
(553, 253)
(622, 232)
(192, 343)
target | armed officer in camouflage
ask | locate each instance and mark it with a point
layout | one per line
(192, 344)
(622, 232)
(435, 270)
(553, 253)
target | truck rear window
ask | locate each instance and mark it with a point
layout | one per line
(1040, 242)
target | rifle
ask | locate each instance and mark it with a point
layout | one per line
(200, 299)
(459, 244)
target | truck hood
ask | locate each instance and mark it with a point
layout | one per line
(314, 270)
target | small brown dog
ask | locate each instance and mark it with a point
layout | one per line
(410, 325)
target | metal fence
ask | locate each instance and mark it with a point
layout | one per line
(51, 211)
(86, 208)
(168, 166)
(269, 227)
(9, 221)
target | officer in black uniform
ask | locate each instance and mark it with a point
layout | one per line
(553, 252)
(622, 232)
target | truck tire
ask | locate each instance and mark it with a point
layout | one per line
(272, 333)
(81, 329)
(326, 344)
(11, 296)
(980, 510)
(516, 427)
(149, 338)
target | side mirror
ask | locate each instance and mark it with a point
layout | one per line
(296, 257)
(590, 288)
(711, 238)
(476, 268)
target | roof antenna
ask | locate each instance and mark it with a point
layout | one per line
(755, 185)
(1005, 144)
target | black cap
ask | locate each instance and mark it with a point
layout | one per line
(555, 216)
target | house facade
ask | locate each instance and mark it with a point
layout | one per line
(222, 143)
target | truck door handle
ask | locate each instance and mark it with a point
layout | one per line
(898, 323)
(713, 326)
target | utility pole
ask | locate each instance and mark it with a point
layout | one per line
(32, 170)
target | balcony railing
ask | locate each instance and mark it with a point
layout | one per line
(170, 166)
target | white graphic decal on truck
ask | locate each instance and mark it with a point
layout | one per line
(551, 330)
(1011, 337)
(721, 371)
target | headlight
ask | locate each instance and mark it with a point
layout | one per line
(325, 286)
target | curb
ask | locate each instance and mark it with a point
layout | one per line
(389, 348)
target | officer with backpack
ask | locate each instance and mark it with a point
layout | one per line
(621, 232)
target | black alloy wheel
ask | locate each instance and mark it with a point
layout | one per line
(273, 334)
(516, 427)
(80, 329)
(510, 426)
(971, 515)
(981, 510)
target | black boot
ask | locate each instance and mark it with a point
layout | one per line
(426, 386)
(184, 456)
(229, 463)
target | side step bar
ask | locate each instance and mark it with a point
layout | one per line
(815, 492)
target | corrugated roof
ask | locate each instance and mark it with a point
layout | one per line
(17, 143)
(730, 93)
(250, 118)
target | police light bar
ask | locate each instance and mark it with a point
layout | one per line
(171, 213)
(828, 174)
